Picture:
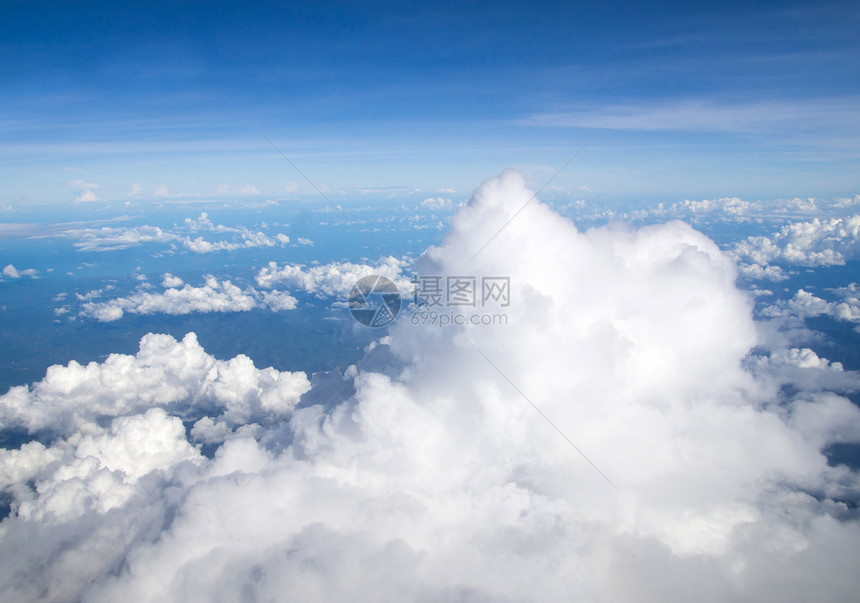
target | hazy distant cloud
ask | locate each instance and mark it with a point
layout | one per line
(156, 191)
(213, 296)
(247, 189)
(85, 191)
(115, 238)
(437, 203)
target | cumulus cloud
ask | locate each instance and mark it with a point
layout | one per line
(178, 376)
(805, 304)
(213, 296)
(437, 203)
(334, 279)
(170, 281)
(11, 272)
(828, 242)
(248, 240)
(426, 473)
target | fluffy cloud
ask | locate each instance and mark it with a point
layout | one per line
(248, 240)
(433, 477)
(437, 203)
(170, 281)
(815, 243)
(805, 304)
(176, 375)
(213, 296)
(11, 272)
(334, 279)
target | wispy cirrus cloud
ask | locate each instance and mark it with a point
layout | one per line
(185, 235)
(810, 116)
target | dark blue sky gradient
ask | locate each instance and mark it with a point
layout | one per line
(383, 93)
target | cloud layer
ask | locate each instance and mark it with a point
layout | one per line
(432, 476)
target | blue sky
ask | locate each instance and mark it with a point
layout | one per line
(117, 104)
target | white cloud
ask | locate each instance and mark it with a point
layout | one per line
(827, 242)
(725, 209)
(335, 279)
(94, 293)
(242, 239)
(432, 478)
(11, 272)
(213, 296)
(115, 238)
(437, 203)
(177, 375)
(170, 281)
(805, 304)
(758, 272)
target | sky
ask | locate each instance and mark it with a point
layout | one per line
(618, 252)
(696, 100)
